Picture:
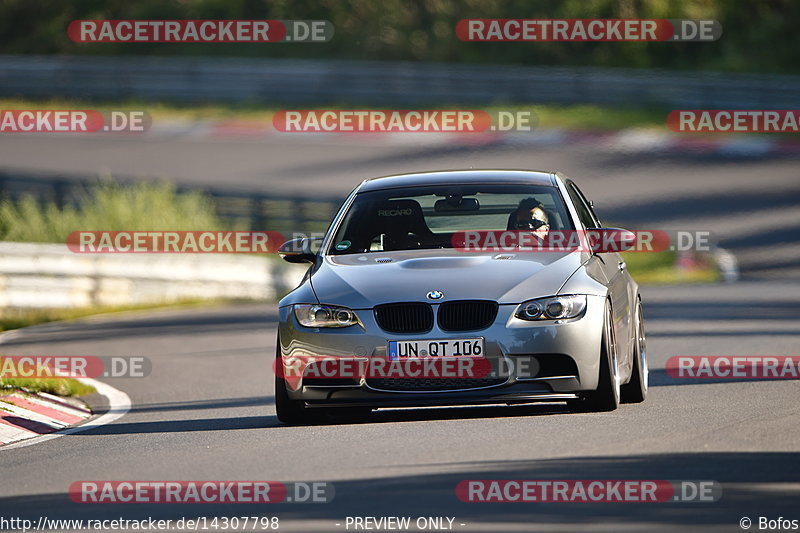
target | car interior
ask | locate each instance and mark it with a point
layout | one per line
(408, 223)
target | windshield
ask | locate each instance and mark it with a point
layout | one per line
(427, 217)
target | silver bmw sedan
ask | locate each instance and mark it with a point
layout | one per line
(460, 287)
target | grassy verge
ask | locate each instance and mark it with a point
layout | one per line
(156, 110)
(591, 117)
(58, 386)
(663, 268)
(578, 117)
(108, 206)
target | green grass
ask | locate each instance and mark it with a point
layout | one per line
(591, 117)
(65, 387)
(109, 206)
(578, 117)
(156, 110)
(661, 268)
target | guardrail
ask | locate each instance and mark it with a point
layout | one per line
(51, 276)
(318, 82)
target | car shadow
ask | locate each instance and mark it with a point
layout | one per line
(753, 484)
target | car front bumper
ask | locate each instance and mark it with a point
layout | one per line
(565, 355)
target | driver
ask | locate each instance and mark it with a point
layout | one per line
(531, 215)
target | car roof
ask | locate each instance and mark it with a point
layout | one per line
(454, 177)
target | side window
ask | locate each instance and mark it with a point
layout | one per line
(584, 211)
(597, 222)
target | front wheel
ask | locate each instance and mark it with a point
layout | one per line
(290, 411)
(636, 390)
(607, 395)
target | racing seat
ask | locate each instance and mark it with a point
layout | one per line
(403, 225)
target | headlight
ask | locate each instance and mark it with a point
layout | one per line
(552, 308)
(324, 316)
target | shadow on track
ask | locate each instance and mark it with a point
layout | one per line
(753, 484)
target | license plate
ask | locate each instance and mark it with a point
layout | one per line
(436, 348)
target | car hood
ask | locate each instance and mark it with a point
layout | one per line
(361, 281)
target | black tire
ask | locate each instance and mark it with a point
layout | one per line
(289, 411)
(635, 391)
(293, 412)
(607, 395)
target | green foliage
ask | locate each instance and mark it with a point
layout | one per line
(57, 386)
(661, 268)
(758, 35)
(109, 206)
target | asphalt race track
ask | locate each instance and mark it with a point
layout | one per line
(206, 411)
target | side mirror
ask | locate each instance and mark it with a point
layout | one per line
(609, 240)
(297, 251)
